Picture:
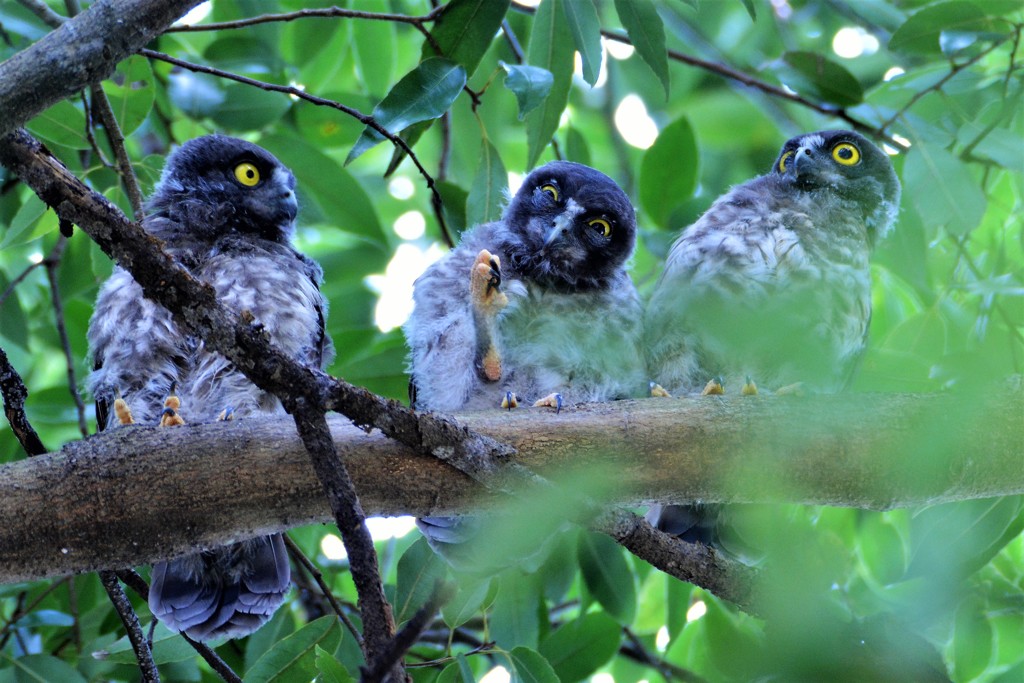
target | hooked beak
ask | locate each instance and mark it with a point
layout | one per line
(559, 228)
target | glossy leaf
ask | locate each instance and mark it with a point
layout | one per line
(669, 171)
(647, 32)
(921, 32)
(168, 646)
(608, 576)
(551, 49)
(585, 27)
(942, 190)
(529, 666)
(247, 108)
(374, 43)
(470, 597)
(580, 647)
(424, 93)
(514, 615)
(530, 84)
(294, 657)
(131, 93)
(487, 195)
(465, 31)
(62, 124)
(38, 668)
(329, 669)
(815, 76)
(419, 572)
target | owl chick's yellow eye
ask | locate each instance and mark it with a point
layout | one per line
(247, 174)
(784, 161)
(601, 225)
(550, 190)
(846, 153)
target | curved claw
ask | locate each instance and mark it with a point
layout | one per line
(227, 414)
(749, 388)
(170, 418)
(714, 387)
(659, 391)
(510, 401)
(550, 401)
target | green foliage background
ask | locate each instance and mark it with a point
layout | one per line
(934, 594)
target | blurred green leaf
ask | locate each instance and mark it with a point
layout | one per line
(576, 147)
(43, 669)
(465, 31)
(514, 616)
(453, 198)
(957, 539)
(424, 93)
(972, 641)
(62, 124)
(608, 576)
(668, 173)
(33, 220)
(374, 49)
(814, 75)
(131, 93)
(585, 27)
(470, 597)
(751, 8)
(920, 33)
(530, 84)
(529, 666)
(195, 94)
(581, 646)
(486, 196)
(248, 108)
(294, 657)
(647, 32)
(551, 49)
(15, 323)
(882, 549)
(419, 571)
(942, 190)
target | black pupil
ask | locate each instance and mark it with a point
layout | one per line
(249, 173)
(845, 152)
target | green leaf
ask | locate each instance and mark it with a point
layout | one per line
(62, 124)
(196, 95)
(972, 640)
(751, 9)
(957, 539)
(130, 92)
(32, 221)
(576, 148)
(329, 669)
(374, 49)
(471, 595)
(168, 646)
(608, 576)
(294, 657)
(424, 93)
(248, 108)
(45, 669)
(339, 196)
(580, 647)
(15, 323)
(881, 549)
(551, 49)
(514, 616)
(530, 84)
(280, 625)
(487, 194)
(466, 30)
(419, 571)
(647, 31)
(581, 16)
(453, 200)
(529, 666)
(942, 190)
(812, 74)
(45, 617)
(921, 32)
(668, 172)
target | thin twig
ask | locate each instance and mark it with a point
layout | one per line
(18, 280)
(296, 552)
(14, 395)
(43, 11)
(365, 119)
(131, 623)
(408, 636)
(329, 12)
(513, 42)
(101, 107)
(22, 609)
(52, 265)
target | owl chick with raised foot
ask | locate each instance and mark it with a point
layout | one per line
(772, 284)
(534, 308)
(225, 209)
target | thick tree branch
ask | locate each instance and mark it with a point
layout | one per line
(138, 494)
(84, 50)
(14, 393)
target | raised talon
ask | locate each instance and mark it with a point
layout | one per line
(485, 284)
(510, 401)
(659, 391)
(714, 387)
(749, 388)
(227, 414)
(550, 401)
(170, 417)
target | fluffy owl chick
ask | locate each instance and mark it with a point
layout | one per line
(225, 208)
(536, 304)
(772, 282)
(550, 300)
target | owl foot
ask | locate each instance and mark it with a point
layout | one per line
(794, 389)
(170, 416)
(123, 412)
(550, 401)
(659, 391)
(714, 387)
(749, 388)
(510, 401)
(227, 414)
(485, 284)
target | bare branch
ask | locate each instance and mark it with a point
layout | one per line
(43, 11)
(101, 107)
(328, 12)
(131, 623)
(296, 553)
(407, 637)
(14, 393)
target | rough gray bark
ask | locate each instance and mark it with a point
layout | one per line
(138, 494)
(83, 51)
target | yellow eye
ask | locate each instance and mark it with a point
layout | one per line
(784, 160)
(247, 174)
(550, 190)
(601, 225)
(846, 154)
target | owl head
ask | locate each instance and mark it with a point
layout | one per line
(847, 164)
(569, 226)
(216, 184)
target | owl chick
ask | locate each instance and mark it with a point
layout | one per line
(773, 282)
(225, 208)
(534, 307)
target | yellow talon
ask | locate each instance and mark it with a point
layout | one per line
(713, 387)
(510, 401)
(172, 404)
(659, 391)
(749, 389)
(123, 412)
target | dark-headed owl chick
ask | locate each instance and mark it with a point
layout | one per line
(225, 208)
(773, 282)
(536, 307)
